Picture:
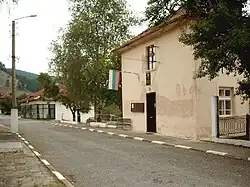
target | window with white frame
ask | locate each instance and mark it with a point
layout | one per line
(225, 102)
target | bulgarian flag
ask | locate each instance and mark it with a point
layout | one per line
(114, 78)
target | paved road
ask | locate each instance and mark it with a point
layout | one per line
(93, 159)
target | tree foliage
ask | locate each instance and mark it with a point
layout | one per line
(44, 80)
(83, 53)
(219, 37)
(157, 11)
(6, 103)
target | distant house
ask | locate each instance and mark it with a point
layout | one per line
(35, 106)
(159, 90)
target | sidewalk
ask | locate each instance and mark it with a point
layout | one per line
(207, 147)
(22, 168)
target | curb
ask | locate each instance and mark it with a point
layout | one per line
(53, 171)
(215, 152)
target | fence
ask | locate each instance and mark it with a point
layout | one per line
(234, 127)
(106, 117)
(110, 119)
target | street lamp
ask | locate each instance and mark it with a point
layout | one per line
(14, 110)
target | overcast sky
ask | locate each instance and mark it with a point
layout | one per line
(35, 34)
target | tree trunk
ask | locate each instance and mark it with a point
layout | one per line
(74, 115)
(78, 116)
(99, 118)
(96, 109)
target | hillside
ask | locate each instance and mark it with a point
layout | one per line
(26, 74)
(25, 80)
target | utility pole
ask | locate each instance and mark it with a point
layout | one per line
(14, 110)
(14, 104)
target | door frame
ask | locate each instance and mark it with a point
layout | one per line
(151, 126)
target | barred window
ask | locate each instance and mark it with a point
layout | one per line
(151, 57)
(225, 102)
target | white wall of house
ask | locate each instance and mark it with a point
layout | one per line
(183, 103)
(206, 89)
(62, 113)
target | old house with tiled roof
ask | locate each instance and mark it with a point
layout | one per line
(36, 106)
(160, 92)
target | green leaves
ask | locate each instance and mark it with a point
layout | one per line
(51, 90)
(158, 11)
(83, 52)
(44, 80)
(219, 37)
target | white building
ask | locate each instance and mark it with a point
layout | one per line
(33, 107)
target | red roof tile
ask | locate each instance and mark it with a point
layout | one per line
(37, 95)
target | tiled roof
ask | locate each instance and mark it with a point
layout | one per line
(37, 95)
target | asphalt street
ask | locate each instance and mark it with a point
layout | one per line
(93, 159)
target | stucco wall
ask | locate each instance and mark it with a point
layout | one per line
(62, 113)
(183, 104)
(206, 89)
(133, 81)
(175, 87)
(172, 81)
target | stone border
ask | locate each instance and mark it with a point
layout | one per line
(215, 152)
(58, 175)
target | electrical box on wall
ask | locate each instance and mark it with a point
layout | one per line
(137, 107)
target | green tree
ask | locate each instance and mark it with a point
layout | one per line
(157, 11)
(44, 80)
(83, 53)
(219, 37)
(6, 103)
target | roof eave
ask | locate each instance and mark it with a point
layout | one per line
(145, 36)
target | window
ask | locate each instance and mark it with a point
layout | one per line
(225, 101)
(151, 60)
(52, 111)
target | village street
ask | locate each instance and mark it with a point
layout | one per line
(94, 159)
